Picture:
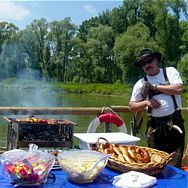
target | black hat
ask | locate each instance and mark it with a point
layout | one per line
(146, 53)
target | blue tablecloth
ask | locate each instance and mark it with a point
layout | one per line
(169, 177)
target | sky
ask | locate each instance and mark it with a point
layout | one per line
(22, 13)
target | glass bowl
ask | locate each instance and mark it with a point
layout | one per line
(82, 166)
(27, 168)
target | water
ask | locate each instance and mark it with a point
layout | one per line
(48, 98)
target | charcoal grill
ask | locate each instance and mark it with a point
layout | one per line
(21, 133)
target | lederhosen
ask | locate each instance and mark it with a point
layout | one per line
(167, 133)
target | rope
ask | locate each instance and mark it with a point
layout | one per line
(109, 109)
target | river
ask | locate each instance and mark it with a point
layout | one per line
(13, 96)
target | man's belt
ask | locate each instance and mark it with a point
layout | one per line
(165, 118)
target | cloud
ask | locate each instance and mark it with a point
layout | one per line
(90, 8)
(12, 10)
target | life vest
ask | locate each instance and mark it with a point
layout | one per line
(108, 117)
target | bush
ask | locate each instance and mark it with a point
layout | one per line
(118, 82)
(76, 79)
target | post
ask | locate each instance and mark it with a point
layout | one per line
(107, 127)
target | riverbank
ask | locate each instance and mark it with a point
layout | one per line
(77, 88)
(99, 89)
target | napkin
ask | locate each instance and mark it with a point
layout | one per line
(134, 179)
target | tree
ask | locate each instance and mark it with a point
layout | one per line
(10, 60)
(6, 31)
(61, 41)
(101, 42)
(168, 34)
(127, 48)
(184, 37)
(82, 66)
(85, 27)
(183, 68)
(132, 9)
(147, 15)
(119, 20)
(39, 29)
(34, 42)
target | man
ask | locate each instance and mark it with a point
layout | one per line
(165, 128)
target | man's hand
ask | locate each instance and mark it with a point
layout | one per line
(149, 85)
(153, 103)
(145, 89)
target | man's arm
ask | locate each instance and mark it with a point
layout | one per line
(172, 89)
(142, 105)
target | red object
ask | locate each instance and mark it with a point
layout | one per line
(113, 118)
(23, 172)
(107, 117)
(45, 121)
(183, 167)
(9, 168)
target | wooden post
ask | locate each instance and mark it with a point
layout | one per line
(107, 127)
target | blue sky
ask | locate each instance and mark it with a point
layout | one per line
(22, 13)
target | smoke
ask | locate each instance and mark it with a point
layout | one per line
(28, 90)
(28, 74)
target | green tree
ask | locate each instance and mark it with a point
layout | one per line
(61, 41)
(168, 34)
(34, 42)
(147, 15)
(85, 27)
(119, 20)
(184, 37)
(127, 48)
(10, 59)
(82, 66)
(183, 68)
(6, 31)
(101, 42)
(39, 29)
(132, 9)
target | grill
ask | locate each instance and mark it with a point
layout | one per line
(42, 132)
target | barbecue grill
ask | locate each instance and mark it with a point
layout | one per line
(42, 132)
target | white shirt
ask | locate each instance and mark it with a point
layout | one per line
(167, 105)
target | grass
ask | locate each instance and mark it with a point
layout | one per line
(101, 89)
(93, 88)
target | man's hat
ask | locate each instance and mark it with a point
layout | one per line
(145, 54)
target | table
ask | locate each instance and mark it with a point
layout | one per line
(169, 177)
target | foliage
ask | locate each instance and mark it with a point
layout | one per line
(183, 68)
(100, 50)
(127, 48)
